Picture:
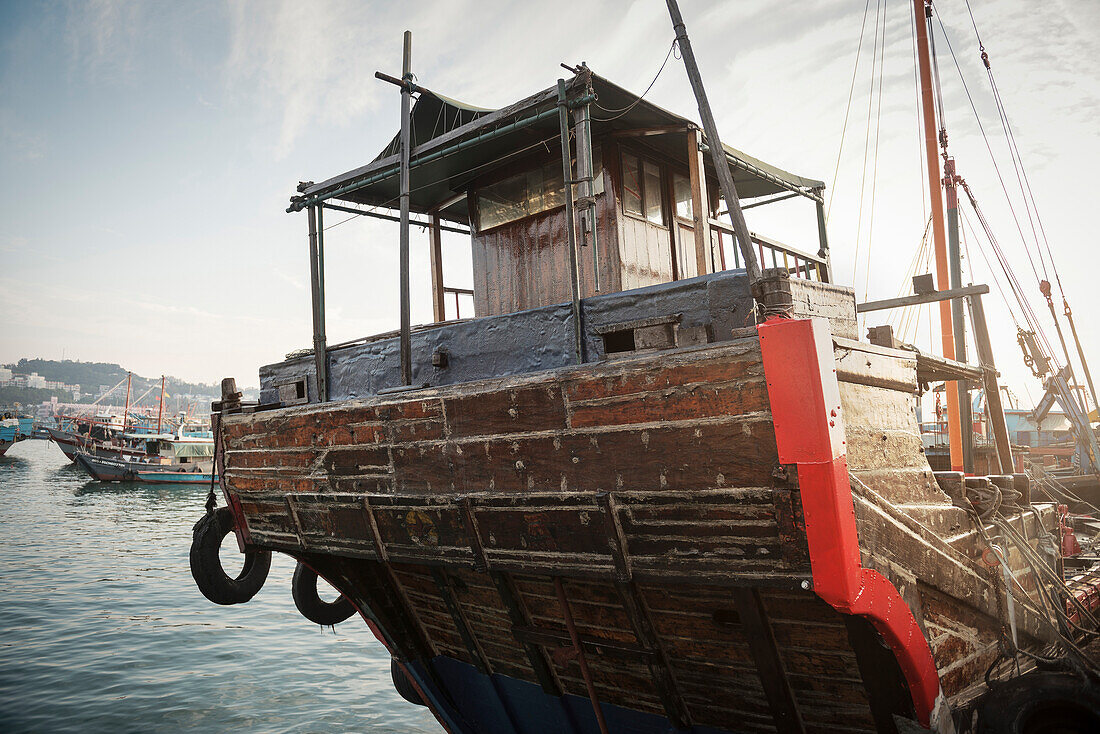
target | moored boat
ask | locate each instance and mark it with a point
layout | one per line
(164, 459)
(641, 490)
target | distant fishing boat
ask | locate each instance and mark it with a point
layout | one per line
(14, 430)
(167, 459)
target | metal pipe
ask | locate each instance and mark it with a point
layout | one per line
(922, 10)
(317, 298)
(299, 204)
(581, 660)
(717, 152)
(585, 172)
(824, 272)
(570, 221)
(389, 218)
(406, 121)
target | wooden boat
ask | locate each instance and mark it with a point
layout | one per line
(687, 500)
(164, 459)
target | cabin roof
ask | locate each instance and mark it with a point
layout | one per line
(453, 142)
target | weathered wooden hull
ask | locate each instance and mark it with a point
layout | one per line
(651, 495)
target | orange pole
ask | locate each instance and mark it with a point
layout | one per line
(923, 10)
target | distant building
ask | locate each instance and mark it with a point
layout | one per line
(5, 374)
(36, 380)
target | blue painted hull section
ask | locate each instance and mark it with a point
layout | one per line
(476, 703)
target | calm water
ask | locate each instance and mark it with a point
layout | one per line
(102, 628)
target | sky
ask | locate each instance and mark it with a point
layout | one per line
(148, 149)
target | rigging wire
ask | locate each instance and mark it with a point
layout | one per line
(848, 108)
(874, 168)
(866, 146)
(623, 110)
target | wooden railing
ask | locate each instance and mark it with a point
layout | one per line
(775, 254)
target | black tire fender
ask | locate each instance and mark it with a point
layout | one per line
(311, 605)
(206, 565)
(1041, 703)
(404, 686)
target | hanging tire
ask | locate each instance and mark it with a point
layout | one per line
(1041, 703)
(310, 603)
(404, 686)
(206, 565)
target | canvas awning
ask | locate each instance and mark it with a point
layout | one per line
(452, 143)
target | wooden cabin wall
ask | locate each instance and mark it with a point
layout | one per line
(645, 249)
(525, 264)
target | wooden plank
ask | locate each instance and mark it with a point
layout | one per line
(920, 298)
(435, 256)
(664, 680)
(784, 709)
(699, 201)
(443, 584)
(886, 688)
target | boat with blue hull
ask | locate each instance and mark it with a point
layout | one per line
(106, 469)
(163, 459)
(13, 430)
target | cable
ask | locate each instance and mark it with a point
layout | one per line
(623, 110)
(847, 109)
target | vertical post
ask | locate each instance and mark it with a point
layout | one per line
(717, 152)
(824, 273)
(958, 323)
(922, 10)
(570, 223)
(697, 176)
(582, 120)
(126, 410)
(995, 414)
(435, 253)
(317, 291)
(160, 409)
(406, 111)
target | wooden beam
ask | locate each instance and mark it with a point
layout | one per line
(698, 177)
(435, 251)
(887, 692)
(660, 670)
(995, 413)
(647, 131)
(916, 300)
(765, 653)
(473, 647)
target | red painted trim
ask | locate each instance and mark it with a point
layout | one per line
(809, 431)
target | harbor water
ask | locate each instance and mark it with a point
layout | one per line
(103, 629)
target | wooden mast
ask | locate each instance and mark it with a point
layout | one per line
(126, 410)
(160, 403)
(923, 10)
(717, 152)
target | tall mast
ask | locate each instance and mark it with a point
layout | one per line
(126, 410)
(923, 10)
(717, 152)
(160, 409)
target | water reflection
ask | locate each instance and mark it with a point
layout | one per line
(99, 611)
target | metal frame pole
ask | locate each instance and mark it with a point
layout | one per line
(570, 222)
(717, 152)
(317, 291)
(582, 119)
(406, 115)
(824, 272)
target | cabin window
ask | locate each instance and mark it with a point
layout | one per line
(532, 192)
(642, 185)
(681, 191)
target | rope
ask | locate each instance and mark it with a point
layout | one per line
(847, 108)
(866, 145)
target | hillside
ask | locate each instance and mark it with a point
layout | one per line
(91, 375)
